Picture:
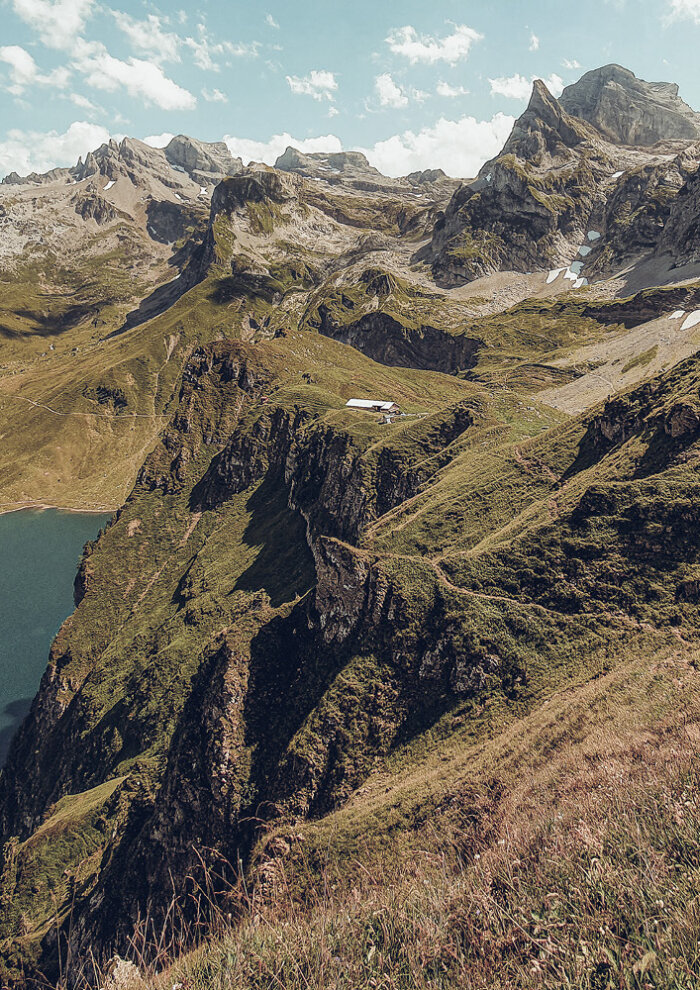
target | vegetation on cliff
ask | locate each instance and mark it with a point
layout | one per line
(348, 701)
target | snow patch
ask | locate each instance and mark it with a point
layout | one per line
(677, 315)
(573, 272)
(554, 275)
(580, 282)
(179, 168)
(617, 175)
(109, 185)
(203, 191)
(593, 235)
(692, 320)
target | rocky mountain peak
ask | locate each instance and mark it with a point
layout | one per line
(631, 111)
(294, 160)
(545, 128)
(199, 156)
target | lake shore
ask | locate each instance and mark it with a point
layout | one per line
(40, 556)
(7, 507)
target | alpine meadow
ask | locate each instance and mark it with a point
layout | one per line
(384, 672)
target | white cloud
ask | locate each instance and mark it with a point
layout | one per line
(24, 71)
(214, 96)
(333, 112)
(82, 101)
(571, 63)
(517, 87)
(684, 10)
(23, 68)
(141, 79)
(460, 147)
(423, 48)
(35, 151)
(149, 36)
(269, 151)
(205, 51)
(445, 89)
(158, 140)
(534, 42)
(319, 83)
(57, 22)
(388, 93)
(271, 22)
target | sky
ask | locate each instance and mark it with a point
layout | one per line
(412, 84)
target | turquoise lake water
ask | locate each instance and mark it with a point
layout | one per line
(39, 554)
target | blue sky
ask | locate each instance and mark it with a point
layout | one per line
(414, 85)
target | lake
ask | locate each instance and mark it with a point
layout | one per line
(39, 554)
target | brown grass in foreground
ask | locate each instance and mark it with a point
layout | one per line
(595, 886)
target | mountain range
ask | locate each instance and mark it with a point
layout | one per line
(315, 641)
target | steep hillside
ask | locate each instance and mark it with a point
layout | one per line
(351, 699)
(566, 171)
(284, 562)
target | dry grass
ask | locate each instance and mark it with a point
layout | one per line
(583, 874)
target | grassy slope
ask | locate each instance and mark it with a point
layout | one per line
(164, 582)
(485, 537)
(560, 850)
(77, 421)
(493, 543)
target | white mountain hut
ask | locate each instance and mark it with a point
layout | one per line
(373, 405)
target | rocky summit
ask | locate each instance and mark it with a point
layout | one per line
(402, 685)
(631, 111)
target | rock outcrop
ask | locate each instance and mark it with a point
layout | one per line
(530, 207)
(630, 111)
(612, 154)
(352, 169)
(680, 238)
(385, 339)
(198, 160)
(204, 162)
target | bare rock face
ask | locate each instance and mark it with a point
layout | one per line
(311, 165)
(91, 206)
(529, 207)
(613, 153)
(198, 156)
(384, 339)
(351, 168)
(682, 419)
(638, 211)
(43, 179)
(616, 424)
(681, 234)
(630, 111)
(195, 160)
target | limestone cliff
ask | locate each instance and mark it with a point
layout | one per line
(628, 110)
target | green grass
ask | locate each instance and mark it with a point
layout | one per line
(560, 852)
(368, 643)
(641, 360)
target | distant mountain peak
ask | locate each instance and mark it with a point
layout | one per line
(294, 160)
(201, 156)
(631, 111)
